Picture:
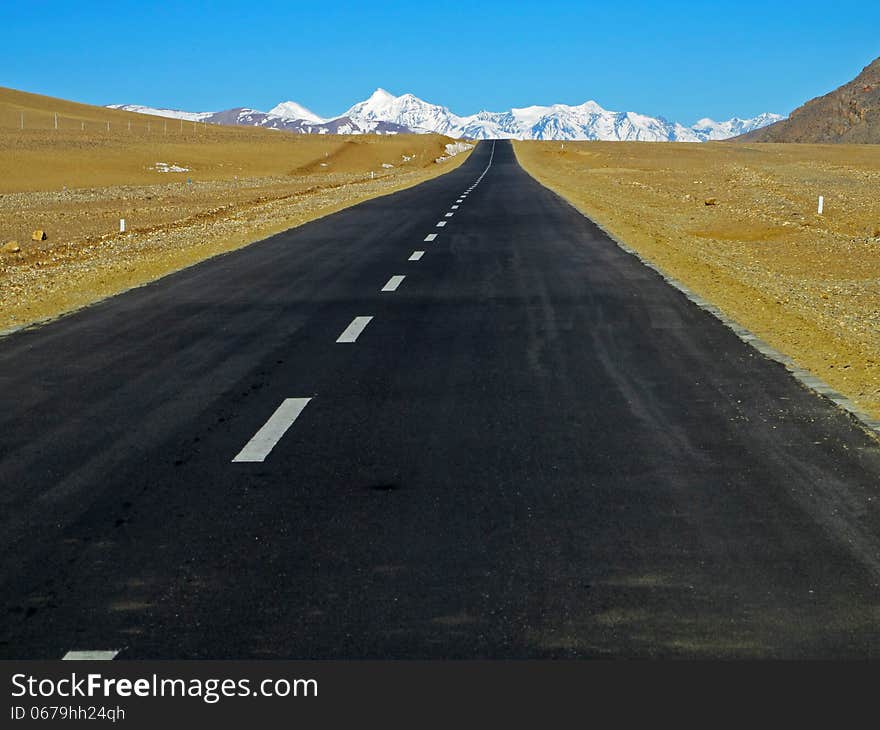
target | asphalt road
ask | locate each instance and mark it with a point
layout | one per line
(535, 448)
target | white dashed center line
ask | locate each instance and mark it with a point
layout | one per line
(358, 325)
(258, 448)
(441, 224)
(416, 255)
(90, 656)
(430, 237)
(449, 215)
(393, 283)
(454, 207)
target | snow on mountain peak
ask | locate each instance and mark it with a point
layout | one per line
(406, 110)
(708, 129)
(378, 100)
(381, 95)
(167, 113)
(590, 106)
(292, 110)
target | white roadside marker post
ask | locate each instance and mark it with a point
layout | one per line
(821, 204)
(122, 225)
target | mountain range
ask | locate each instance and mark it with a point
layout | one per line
(385, 113)
(849, 114)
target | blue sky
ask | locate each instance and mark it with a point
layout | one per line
(679, 60)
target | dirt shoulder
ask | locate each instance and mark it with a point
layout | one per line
(809, 285)
(186, 194)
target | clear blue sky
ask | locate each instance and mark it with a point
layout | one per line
(679, 60)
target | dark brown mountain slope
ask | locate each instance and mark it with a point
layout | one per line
(849, 114)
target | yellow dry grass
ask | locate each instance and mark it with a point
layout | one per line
(240, 184)
(807, 284)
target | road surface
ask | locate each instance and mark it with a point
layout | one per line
(519, 443)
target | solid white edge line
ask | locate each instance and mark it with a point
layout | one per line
(416, 255)
(394, 282)
(98, 655)
(264, 440)
(357, 326)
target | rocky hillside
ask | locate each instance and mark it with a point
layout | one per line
(849, 114)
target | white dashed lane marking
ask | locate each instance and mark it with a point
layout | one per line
(258, 448)
(104, 655)
(358, 325)
(261, 445)
(394, 282)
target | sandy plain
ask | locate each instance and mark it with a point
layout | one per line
(187, 191)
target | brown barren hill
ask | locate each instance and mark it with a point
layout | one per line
(849, 114)
(187, 191)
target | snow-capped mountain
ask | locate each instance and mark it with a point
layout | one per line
(292, 110)
(587, 121)
(408, 111)
(384, 113)
(168, 113)
(708, 129)
(289, 116)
